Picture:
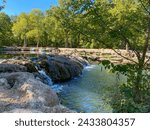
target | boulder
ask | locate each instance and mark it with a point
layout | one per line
(12, 68)
(4, 84)
(43, 109)
(25, 92)
(61, 68)
(26, 62)
(22, 111)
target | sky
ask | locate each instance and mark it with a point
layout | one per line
(15, 7)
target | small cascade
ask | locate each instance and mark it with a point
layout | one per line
(89, 67)
(46, 77)
(56, 87)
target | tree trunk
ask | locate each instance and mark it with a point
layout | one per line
(137, 96)
(37, 45)
(127, 47)
(67, 39)
(141, 61)
(25, 41)
(78, 40)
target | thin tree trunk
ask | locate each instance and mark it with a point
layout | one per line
(137, 92)
(127, 47)
(78, 40)
(67, 40)
(25, 41)
(37, 45)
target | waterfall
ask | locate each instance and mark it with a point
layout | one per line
(56, 87)
(46, 77)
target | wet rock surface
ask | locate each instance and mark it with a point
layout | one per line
(61, 68)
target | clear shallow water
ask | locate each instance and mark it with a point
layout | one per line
(86, 93)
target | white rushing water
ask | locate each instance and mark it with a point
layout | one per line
(56, 87)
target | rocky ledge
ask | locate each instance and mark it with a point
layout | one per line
(60, 68)
(22, 89)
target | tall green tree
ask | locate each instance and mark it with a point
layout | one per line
(54, 30)
(65, 17)
(5, 30)
(36, 25)
(21, 27)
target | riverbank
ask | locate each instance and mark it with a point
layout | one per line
(117, 56)
(24, 87)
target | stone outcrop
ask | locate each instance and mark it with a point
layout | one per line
(55, 109)
(12, 68)
(61, 68)
(24, 90)
(20, 90)
(22, 61)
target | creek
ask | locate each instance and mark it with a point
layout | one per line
(87, 92)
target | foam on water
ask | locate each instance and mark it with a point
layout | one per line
(56, 87)
(89, 67)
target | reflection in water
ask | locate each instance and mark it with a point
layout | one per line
(85, 94)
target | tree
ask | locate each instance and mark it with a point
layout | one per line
(65, 17)
(21, 27)
(118, 23)
(36, 22)
(54, 29)
(2, 5)
(5, 30)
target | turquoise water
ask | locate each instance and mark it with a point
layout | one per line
(87, 92)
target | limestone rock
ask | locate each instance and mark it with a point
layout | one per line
(61, 68)
(43, 109)
(12, 68)
(26, 92)
(26, 62)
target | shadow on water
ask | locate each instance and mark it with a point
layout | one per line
(86, 93)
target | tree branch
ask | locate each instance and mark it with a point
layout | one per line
(124, 56)
(147, 61)
(144, 6)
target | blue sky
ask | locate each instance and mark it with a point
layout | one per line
(15, 7)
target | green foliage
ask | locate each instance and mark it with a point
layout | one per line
(93, 24)
(5, 30)
(36, 25)
(21, 27)
(2, 5)
(122, 98)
